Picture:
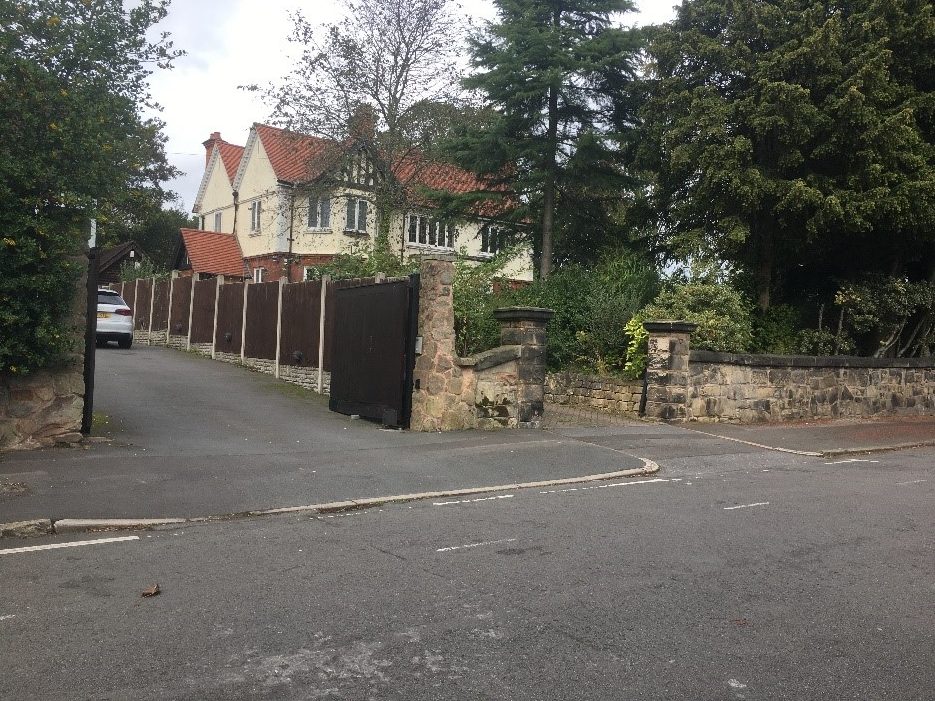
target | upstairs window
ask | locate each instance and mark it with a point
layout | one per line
(493, 239)
(319, 212)
(255, 209)
(259, 274)
(356, 215)
(217, 221)
(425, 231)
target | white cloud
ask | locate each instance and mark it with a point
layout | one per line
(239, 42)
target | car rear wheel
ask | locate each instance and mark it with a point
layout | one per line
(125, 342)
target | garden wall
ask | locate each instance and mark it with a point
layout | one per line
(609, 394)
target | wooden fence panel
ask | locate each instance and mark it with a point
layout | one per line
(161, 305)
(181, 300)
(301, 315)
(144, 295)
(262, 304)
(203, 311)
(330, 320)
(230, 318)
(129, 295)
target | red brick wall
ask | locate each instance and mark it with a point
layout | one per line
(276, 267)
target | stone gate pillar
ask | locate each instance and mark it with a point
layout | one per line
(526, 327)
(667, 378)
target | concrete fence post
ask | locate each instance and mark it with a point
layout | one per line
(282, 282)
(214, 330)
(191, 307)
(325, 281)
(175, 274)
(136, 299)
(526, 327)
(243, 322)
(152, 303)
(667, 375)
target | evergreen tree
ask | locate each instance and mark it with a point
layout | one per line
(555, 75)
(792, 138)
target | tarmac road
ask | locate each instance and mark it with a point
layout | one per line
(747, 576)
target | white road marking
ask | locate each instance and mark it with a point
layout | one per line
(746, 506)
(73, 544)
(475, 545)
(734, 684)
(843, 462)
(605, 485)
(471, 501)
(910, 482)
(8, 617)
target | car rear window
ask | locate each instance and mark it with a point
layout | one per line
(110, 298)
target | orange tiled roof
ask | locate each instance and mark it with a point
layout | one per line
(230, 157)
(213, 252)
(297, 157)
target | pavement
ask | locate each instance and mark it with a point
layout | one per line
(188, 437)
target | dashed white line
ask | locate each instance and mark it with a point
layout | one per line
(746, 506)
(844, 462)
(8, 617)
(605, 485)
(898, 484)
(73, 544)
(475, 545)
(471, 501)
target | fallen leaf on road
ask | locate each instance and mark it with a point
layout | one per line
(152, 591)
(739, 621)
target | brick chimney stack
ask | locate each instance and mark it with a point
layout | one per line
(362, 124)
(215, 138)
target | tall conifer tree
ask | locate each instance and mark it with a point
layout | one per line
(555, 74)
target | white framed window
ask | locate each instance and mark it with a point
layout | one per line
(493, 239)
(307, 272)
(255, 216)
(259, 274)
(217, 221)
(422, 230)
(356, 215)
(319, 213)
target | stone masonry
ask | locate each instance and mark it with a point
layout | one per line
(667, 369)
(499, 388)
(44, 408)
(608, 394)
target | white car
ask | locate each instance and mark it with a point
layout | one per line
(114, 319)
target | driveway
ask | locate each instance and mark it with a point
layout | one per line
(194, 437)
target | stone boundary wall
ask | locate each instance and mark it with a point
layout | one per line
(499, 388)
(753, 388)
(203, 348)
(232, 358)
(609, 394)
(178, 342)
(45, 408)
(687, 385)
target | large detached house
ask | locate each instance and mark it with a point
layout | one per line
(294, 201)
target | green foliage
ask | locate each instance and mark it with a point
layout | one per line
(144, 268)
(592, 308)
(73, 144)
(154, 229)
(365, 259)
(637, 349)
(556, 76)
(775, 330)
(474, 301)
(794, 139)
(722, 314)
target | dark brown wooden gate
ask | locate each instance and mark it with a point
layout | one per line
(373, 350)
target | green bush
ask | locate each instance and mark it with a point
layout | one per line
(776, 331)
(722, 314)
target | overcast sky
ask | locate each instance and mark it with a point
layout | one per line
(239, 42)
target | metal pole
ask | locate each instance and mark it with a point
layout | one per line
(90, 341)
